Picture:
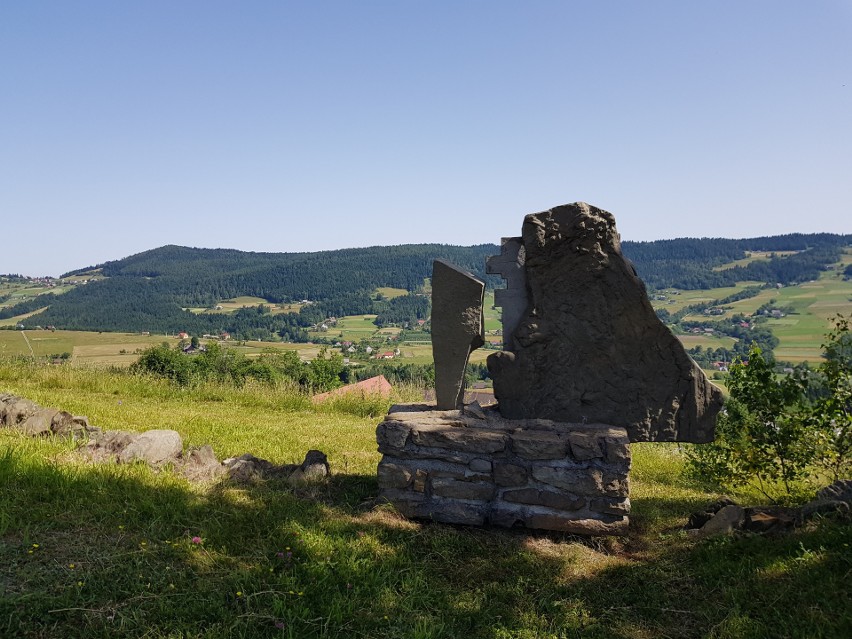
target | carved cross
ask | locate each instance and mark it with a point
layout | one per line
(513, 299)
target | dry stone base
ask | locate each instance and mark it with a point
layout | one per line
(475, 467)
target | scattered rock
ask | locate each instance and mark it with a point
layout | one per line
(154, 447)
(38, 424)
(474, 409)
(77, 427)
(314, 467)
(200, 464)
(834, 498)
(108, 444)
(14, 410)
(698, 519)
(724, 522)
(243, 469)
(725, 517)
(769, 520)
(249, 469)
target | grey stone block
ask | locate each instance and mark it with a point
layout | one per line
(455, 489)
(510, 474)
(480, 465)
(611, 506)
(457, 329)
(585, 446)
(394, 475)
(463, 439)
(153, 447)
(581, 481)
(539, 445)
(392, 434)
(549, 498)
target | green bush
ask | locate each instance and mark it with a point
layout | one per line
(775, 431)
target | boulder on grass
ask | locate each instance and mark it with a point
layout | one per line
(154, 447)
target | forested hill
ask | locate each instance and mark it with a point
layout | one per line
(689, 263)
(200, 277)
(148, 291)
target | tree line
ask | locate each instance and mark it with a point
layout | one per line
(148, 291)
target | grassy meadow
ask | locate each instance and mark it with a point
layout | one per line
(122, 551)
(800, 333)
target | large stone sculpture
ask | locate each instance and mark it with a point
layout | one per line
(587, 367)
(590, 347)
(457, 329)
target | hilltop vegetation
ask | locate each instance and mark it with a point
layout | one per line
(152, 291)
(689, 263)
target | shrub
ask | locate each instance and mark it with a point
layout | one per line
(774, 432)
(761, 436)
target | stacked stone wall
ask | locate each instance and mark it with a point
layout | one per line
(479, 468)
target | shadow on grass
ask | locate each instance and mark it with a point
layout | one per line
(106, 551)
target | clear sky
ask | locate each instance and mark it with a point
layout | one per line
(300, 126)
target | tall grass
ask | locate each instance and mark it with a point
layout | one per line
(122, 551)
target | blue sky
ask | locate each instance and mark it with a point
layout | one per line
(301, 126)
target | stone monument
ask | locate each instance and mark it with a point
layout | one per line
(588, 345)
(587, 367)
(457, 329)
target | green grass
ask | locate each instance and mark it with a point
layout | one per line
(753, 256)
(684, 297)
(107, 551)
(390, 293)
(801, 334)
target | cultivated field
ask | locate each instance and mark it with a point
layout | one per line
(800, 333)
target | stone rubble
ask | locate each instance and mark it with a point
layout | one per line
(724, 517)
(159, 448)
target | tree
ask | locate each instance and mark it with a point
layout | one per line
(762, 436)
(165, 362)
(324, 371)
(775, 431)
(831, 412)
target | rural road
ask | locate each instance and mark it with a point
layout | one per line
(26, 339)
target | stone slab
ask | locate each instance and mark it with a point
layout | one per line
(457, 328)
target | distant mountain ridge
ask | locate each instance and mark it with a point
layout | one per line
(148, 291)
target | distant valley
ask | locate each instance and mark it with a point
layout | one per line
(719, 294)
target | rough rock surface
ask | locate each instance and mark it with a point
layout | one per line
(39, 422)
(14, 410)
(461, 467)
(153, 447)
(457, 329)
(836, 497)
(725, 517)
(248, 469)
(200, 464)
(591, 348)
